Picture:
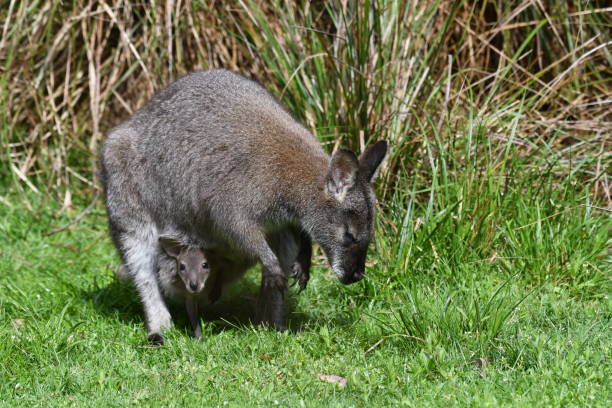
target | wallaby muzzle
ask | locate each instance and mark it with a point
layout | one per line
(193, 284)
(355, 277)
(351, 268)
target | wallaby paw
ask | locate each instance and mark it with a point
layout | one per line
(300, 276)
(275, 282)
(156, 339)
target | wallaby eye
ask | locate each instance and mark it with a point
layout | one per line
(205, 265)
(182, 267)
(349, 238)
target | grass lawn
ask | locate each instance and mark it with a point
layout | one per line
(488, 281)
(437, 330)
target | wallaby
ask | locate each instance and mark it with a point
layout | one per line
(215, 156)
(186, 279)
(184, 276)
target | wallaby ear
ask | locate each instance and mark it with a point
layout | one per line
(342, 173)
(371, 159)
(170, 245)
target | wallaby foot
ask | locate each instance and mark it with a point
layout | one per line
(271, 318)
(158, 317)
(156, 339)
(197, 332)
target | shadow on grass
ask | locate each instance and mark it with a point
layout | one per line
(236, 309)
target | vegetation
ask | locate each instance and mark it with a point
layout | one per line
(489, 280)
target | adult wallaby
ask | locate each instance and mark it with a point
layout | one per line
(215, 156)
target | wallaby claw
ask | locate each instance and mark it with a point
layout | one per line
(300, 276)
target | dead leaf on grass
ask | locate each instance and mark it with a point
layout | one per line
(334, 379)
(17, 323)
(481, 363)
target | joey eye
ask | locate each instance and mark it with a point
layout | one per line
(205, 265)
(182, 267)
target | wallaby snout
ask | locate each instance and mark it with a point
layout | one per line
(355, 274)
(194, 286)
(194, 283)
(349, 266)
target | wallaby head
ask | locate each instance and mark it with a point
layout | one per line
(344, 223)
(191, 263)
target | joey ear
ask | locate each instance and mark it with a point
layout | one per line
(342, 173)
(170, 245)
(371, 159)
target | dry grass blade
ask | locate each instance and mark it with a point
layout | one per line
(76, 219)
(352, 73)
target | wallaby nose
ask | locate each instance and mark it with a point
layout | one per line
(193, 285)
(358, 275)
(355, 277)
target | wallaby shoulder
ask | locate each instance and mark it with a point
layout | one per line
(227, 140)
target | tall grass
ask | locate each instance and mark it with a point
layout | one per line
(414, 73)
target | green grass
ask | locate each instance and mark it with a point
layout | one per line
(448, 329)
(489, 279)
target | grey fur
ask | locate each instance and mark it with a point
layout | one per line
(186, 277)
(216, 157)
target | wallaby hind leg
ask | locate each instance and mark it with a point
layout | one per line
(140, 256)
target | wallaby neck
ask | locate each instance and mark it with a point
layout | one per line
(305, 193)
